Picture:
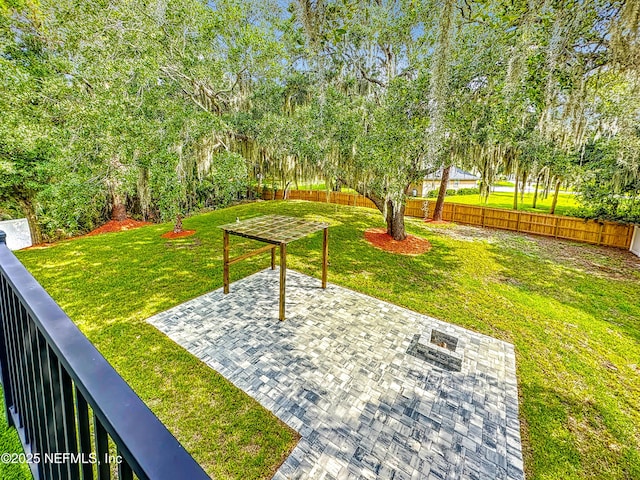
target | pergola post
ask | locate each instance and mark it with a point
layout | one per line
(283, 277)
(225, 254)
(325, 255)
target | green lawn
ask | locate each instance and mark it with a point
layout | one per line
(572, 311)
(504, 183)
(566, 202)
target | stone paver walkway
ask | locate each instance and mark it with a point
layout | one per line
(338, 371)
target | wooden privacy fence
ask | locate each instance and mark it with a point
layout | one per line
(610, 234)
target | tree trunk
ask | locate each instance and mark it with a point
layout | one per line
(119, 209)
(555, 197)
(394, 215)
(437, 212)
(535, 193)
(395, 221)
(515, 192)
(177, 226)
(32, 219)
(114, 184)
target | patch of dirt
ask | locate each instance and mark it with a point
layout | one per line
(110, 226)
(436, 222)
(412, 245)
(183, 233)
(118, 226)
(599, 261)
(468, 233)
(510, 281)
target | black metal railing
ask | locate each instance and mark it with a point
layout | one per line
(76, 417)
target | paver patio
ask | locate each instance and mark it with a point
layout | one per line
(338, 371)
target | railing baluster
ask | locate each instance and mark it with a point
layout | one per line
(47, 407)
(33, 373)
(6, 356)
(30, 418)
(12, 337)
(102, 448)
(84, 435)
(69, 422)
(40, 397)
(57, 418)
(19, 400)
(124, 470)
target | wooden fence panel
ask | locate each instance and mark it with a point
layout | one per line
(414, 208)
(469, 214)
(538, 224)
(448, 211)
(587, 231)
(616, 235)
(501, 219)
(577, 229)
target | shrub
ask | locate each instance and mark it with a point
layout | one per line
(469, 191)
(434, 193)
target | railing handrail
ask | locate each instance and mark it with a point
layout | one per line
(143, 440)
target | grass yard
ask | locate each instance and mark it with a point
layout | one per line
(572, 311)
(566, 202)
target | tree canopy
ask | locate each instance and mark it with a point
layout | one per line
(158, 108)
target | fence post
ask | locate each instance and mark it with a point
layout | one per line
(518, 222)
(600, 233)
(555, 230)
(4, 366)
(630, 232)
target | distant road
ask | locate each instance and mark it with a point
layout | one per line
(528, 189)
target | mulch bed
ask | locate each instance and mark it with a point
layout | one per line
(110, 226)
(436, 222)
(118, 226)
(183, 233)
(412, 245)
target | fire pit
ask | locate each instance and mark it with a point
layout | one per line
(440, 350)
